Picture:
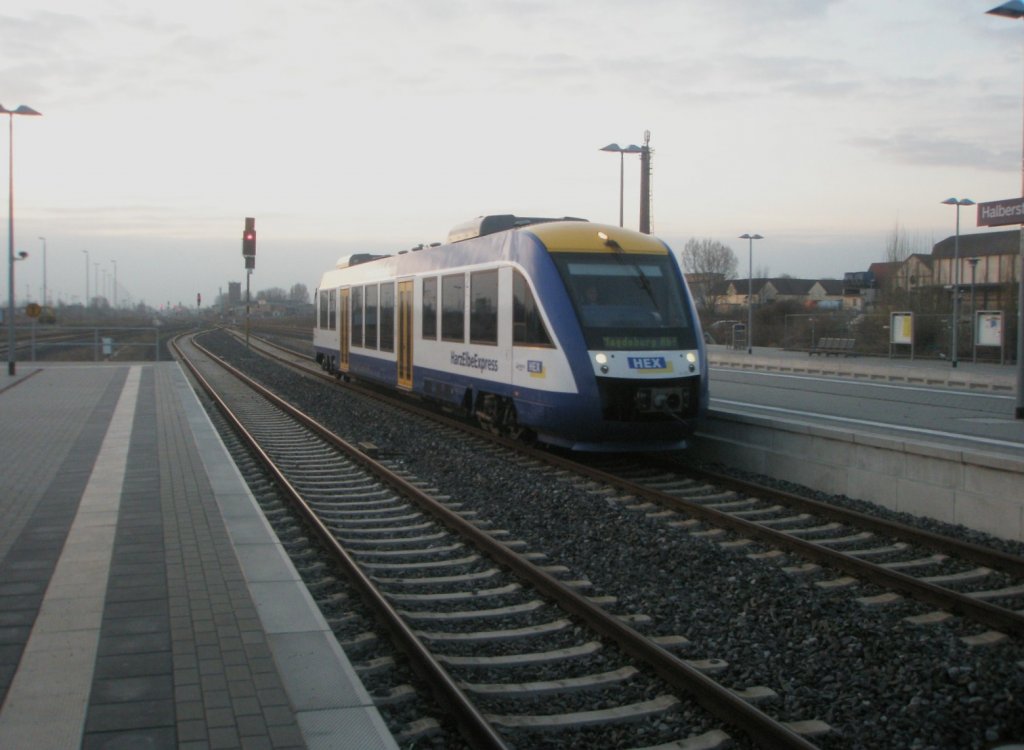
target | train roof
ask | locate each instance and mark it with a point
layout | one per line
(483, 225)
(346, 261)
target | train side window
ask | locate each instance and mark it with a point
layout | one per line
(428, 315)
(387, 317)
(371, 316)
(357, 316)
(483, 307)
(322, 323)
(527, 325)
(453, 307)
(332, 309)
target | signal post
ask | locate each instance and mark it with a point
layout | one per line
(249, 253)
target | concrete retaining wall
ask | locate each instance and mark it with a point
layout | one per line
(983, 491)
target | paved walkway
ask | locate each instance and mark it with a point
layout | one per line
(144, 601)
(966, 375)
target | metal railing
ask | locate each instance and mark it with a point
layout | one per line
(36, 343)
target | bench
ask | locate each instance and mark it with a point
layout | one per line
(837, 346)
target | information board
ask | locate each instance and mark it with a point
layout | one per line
(901, 328)
(989, 328)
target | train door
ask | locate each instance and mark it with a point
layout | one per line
(343, 332)
(405, 320)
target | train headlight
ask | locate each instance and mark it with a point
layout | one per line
(602, 359)
(691, 358)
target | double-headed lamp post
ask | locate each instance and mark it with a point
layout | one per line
(1014, 9)
(616, 149)
(956, 271)
(750, 288)
(22, 110)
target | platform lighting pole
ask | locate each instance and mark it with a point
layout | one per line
(614, 148)
(956, 271)
(1015, 9)
(115, 283)
(44, 269)
(750, 288)
(22, 110)
(973, 263)
(86, 279)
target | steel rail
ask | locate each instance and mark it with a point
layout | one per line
(717, 699)
(976, 553)
(475, 728)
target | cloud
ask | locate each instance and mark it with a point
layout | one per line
(925, 149)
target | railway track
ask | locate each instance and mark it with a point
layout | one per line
(958, 577)
(497, 631)
(928, 590)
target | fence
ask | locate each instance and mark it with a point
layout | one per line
(82, 344)
(933, 334)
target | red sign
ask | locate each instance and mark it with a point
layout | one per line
(998, 213)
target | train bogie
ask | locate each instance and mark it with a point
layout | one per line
(581, 335)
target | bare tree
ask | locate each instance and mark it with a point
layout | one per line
(298, 293)
(273, 294)
(900, 245)
(707, 264)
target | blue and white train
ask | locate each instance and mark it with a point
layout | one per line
(581, 335)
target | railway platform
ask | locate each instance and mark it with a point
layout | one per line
(144, 600)
(967, 375)
(929, 448)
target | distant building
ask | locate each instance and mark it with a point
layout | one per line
(810, 293)
(988, 267)
(988, 262)
(234, 293)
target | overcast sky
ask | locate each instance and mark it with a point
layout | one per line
(352, 125)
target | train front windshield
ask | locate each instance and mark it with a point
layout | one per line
(628, 301)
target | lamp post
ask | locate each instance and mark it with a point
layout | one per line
(86, 279)
(614, 148)
(956, 270)
(750, 288)
(973, 263)
(115, 282)
(1015, 9)
(44, 269)
(22, 110)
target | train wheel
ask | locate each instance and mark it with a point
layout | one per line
(498, 415)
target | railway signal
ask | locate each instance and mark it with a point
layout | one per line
(249, 243)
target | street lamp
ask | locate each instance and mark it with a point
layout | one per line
(22, 110)
(44, 269)
(614, 148)
(115, 282)
(1015, 9)
(973, 263)
(956, 269)
(86, 279)
(750, 288)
